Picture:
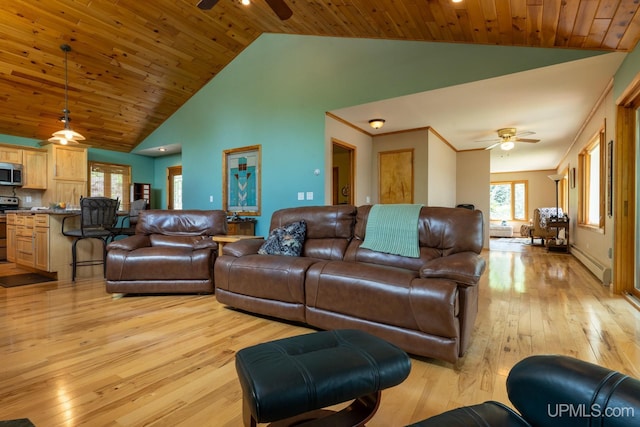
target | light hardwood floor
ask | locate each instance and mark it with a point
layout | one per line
(71, 355)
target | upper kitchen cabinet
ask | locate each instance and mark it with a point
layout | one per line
(67, 172)
(34, 171)
(10, 155)
(68, 162)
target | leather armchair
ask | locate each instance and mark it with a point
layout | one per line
(171, 252)
(551, 390)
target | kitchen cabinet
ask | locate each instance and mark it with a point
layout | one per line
(39, 244)
(34, 170)
(24, 240)
(68, 162)
(10, 155)
(32, 241)
(67, 174)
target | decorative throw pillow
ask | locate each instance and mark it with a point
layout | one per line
(286, 240)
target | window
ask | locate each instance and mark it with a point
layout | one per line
(508, 201)
(591, 201)
(110, 180)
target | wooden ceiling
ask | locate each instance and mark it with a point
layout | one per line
(134, 63)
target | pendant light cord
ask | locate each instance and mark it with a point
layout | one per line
(66, 48)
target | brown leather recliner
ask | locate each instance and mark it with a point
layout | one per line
(171, 252)
(425, 305)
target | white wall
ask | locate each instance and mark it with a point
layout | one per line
(472, 183)
(441, 172)
(593, 243)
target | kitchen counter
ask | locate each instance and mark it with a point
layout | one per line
(37, 242)
(26, 211)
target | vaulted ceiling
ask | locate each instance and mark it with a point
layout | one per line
(134, 63)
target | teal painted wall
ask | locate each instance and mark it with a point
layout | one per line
(277, 91)
(17, 140)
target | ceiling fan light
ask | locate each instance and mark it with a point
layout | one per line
(506, 146)
(246, 2)
(376, 123)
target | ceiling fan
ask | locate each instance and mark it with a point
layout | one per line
(278, 6)
(507, 137)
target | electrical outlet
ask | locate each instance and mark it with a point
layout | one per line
(300, 195)
(309, 195)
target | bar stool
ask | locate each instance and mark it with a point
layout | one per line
(98, 216)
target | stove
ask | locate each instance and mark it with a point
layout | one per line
(8, 203)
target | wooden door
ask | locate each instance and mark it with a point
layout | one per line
(174, 186)
(343, 177)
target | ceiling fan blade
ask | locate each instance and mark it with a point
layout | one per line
(493, 145)
(526, 140)
(525, 133)
(206, 4)
(280, 8)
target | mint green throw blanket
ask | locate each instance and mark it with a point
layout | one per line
(393, 229)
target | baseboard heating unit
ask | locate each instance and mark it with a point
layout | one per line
(603, 273)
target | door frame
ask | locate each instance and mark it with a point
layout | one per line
(351, 149)
(171, 172)
(624, 184)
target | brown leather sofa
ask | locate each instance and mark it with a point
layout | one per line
(425, 305)
(171, 252)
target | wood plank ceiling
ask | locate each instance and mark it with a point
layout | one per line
(134, 63)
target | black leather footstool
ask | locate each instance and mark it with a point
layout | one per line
(291, 379)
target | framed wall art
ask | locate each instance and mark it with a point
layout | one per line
(395, 176)
(241, 191)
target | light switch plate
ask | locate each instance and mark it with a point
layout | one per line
(309, 195)
(300, 195)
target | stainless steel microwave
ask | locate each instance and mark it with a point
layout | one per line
(10, 174)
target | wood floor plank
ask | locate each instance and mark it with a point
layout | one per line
(73, 355)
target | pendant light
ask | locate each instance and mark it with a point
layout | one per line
(66, 135)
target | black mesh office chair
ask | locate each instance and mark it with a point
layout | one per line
(128, 223)
(98, 216)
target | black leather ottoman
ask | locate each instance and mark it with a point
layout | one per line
(291, 379)
(485, 414)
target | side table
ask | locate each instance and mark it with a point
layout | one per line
(552, 244)
(223, 239)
